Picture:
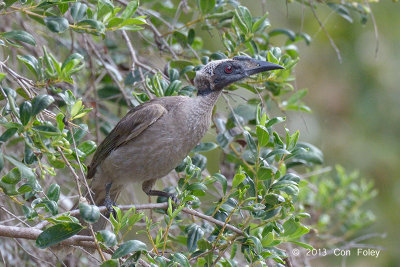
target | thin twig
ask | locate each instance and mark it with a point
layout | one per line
(325, 31)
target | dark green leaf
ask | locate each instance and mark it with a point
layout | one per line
(173, 87)
(250, 142)
(53, 193)
(129, 247)
(40, 103)
(89, 213)
(196, 186)
(78, 11)
(21, 36)
(190, 37)
(110, 263)
(12, 177)
(204, 147)
(195, 232)
(56, 24)
(29, 213)
(129, 10)
(87, 147)
(25, 111)
(107, 237)
(7, 134)
(287, 32)
(57, 233)
(180, 259)
(222, 180)
(92, 26)
(32, 63)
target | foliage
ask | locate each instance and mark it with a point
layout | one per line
(82, 79)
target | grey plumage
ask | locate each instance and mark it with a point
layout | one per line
(153, 138)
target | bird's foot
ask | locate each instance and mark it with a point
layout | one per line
(108, 203)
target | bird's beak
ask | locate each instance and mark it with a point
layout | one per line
(256, 66)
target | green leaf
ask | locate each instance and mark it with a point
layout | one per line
(195, 232)
(262, 135)
(206, 5)
(107, 237)
(341, 10)
(25, 111)
(53, 193)
(12, 177)
(129, 247)
(114, 22)
(56, 24)
(26, 172)
(92, 26)
(7, 134)
(274, 121)
(190, 37)
(204, 147)
(89, 213)
(110, 263)
(76, 108)
(87, 147)
(173, 87)
(32, 63)
(46, 130)
(40, 103)
(264, 173)
(303, 245)
(57, 233)
(250, 142)
(287, 32)
(21, 36)
(245, 16)
(129, 10)
(261, 23)
(222, 180)
(29, 213)
(180, 259)
(78, 11)
(2, 76)
(196, 186)
(238, 178)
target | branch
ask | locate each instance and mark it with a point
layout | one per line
(32, 234)
(157, 206)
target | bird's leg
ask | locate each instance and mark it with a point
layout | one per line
(108, 203)
(147, 185)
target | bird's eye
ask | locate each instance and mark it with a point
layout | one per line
(228, 69)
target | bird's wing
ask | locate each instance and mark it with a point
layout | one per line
(135, 122)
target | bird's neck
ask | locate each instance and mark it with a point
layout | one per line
(207, 100)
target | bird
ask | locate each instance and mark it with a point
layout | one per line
(154, 137)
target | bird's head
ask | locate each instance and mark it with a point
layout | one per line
(220, 73)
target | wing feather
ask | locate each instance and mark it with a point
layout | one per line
(134, 123)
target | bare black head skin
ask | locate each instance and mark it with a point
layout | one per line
(220, 73)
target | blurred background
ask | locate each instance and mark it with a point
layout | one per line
(356, 115)
(355, 104)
